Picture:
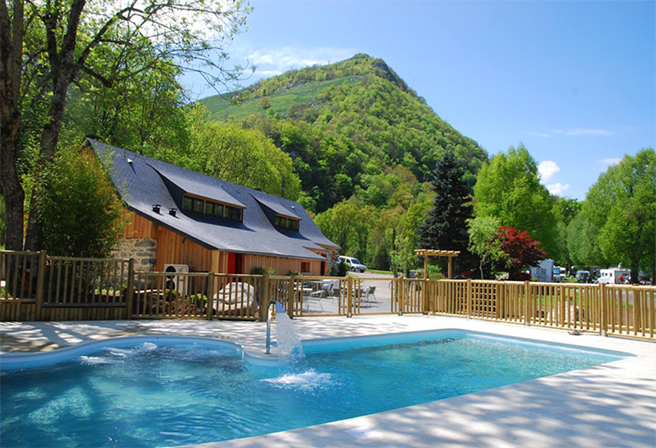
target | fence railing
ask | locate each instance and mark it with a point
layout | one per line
(36, 287)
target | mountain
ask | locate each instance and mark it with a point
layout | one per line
(346, 123)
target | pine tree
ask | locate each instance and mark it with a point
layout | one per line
(445, 226)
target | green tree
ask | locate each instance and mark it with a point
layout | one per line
(241, 156)
(79, 210)
(621, 206)
(582, 244)
(509, 189)
(483, 241)
(143, 113)
(445, 225)
(565, 210)
(406, 238)
(339, 224)
(45, 47)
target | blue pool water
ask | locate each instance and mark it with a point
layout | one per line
(163, 392)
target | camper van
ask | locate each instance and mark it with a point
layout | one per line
(544, 271)
(614, 276)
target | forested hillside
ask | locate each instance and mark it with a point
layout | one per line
(347, 126)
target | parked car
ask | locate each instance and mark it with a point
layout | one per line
(353, 263)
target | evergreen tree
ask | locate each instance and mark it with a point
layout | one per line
(445, 226)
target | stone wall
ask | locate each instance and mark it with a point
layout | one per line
(143, 250)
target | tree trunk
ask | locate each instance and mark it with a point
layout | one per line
(635, 273)
(11, 53)
(11, 189)
(64, 70)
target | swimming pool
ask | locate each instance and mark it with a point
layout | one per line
(172, 391)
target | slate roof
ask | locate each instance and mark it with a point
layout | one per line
(143, 182)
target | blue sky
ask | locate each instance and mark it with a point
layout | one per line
(574, 81)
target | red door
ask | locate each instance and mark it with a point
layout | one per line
(235, 263)
(231, 263)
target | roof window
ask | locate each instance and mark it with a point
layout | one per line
(212, 208)
(286, 223)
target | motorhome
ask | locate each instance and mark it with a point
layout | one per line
(614, 276)
(544, 271)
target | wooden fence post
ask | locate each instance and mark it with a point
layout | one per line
(399, 291)
(210, 295)
(603, 324)
(527, 300)
(264, 298)
(290, 298)
(425, 295)
(130, 287)
(349, 297)
(469, 298)
(40, 282)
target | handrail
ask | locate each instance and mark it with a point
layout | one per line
(36, 286)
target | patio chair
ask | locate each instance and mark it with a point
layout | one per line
(366, 293)
(316, 296)
(330, 286)
(372, 295)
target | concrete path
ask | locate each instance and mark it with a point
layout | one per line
(612, 405)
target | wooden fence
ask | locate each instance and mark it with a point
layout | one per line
(36, 287)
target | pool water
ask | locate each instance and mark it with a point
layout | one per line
(166, 394)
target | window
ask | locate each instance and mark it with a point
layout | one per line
(233, 213)
(305, 266)
(211, 208)
(286, 223)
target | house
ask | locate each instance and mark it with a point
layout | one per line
(179, 217)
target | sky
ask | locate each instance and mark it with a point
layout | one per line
(574, 81)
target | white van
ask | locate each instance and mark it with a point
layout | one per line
(353, 263)
(614, 276)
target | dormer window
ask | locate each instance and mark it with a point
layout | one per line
(286, 223)
(212, 208)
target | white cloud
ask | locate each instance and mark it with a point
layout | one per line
(279, 60)
(557, 189)
(547, 169)
(583, 131)
(609, 161)
(538, 134)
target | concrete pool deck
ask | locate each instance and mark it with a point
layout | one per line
(611, 405)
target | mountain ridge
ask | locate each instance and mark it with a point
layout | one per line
(341, 118)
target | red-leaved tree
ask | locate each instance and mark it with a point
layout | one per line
(521, 250)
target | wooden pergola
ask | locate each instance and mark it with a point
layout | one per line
(451, 254)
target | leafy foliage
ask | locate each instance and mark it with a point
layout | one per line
(483, 242)
(521, 251)
(445, 226)
(241, 156)
(620, 210)
(78, 208)
(509, 189)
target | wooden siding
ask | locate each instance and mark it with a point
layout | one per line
(281, 265)
(175, 249)
(137, 226)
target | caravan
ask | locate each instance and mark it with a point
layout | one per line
(544, 272)
(614, 276)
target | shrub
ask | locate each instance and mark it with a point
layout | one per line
(79, 210)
